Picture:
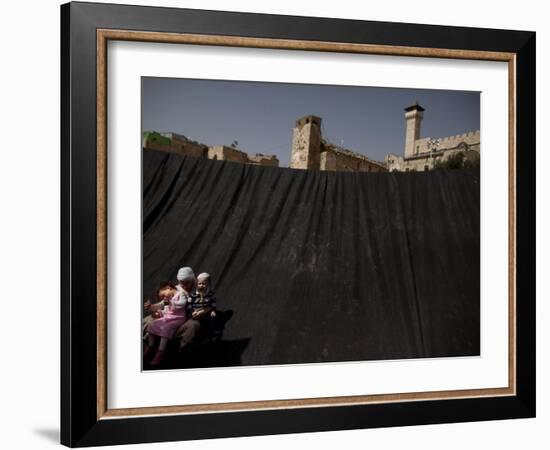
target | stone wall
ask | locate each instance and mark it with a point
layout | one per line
(178, 146)
(423, 157)
(399, 164)
(224, 153)
(471, 140)
(177, 143)
(337, 160)
(419, 155)
(263, 160)
(310, 151)
(426, 161)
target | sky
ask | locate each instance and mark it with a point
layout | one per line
(260, 116)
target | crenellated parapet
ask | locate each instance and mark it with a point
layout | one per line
(464, 141)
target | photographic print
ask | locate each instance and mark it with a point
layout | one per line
(292, 223)
(292, 211)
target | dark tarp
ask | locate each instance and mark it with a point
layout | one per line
(321, 266)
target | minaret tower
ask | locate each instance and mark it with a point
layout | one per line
(413, 118)
(306, 143)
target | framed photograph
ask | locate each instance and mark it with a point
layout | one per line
(276, 224)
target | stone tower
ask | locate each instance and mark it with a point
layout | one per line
(413, 117)
(306, 143)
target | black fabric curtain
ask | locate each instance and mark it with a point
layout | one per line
(321, 266)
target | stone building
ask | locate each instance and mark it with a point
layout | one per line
(177, 143)
(263, 160)
(173, 143)
(425, 153)
(311, 151)
(225, 153)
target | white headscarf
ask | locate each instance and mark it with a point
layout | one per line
(185, 273)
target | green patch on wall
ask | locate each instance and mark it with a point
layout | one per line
(158, 138)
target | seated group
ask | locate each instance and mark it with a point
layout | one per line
(181, 311)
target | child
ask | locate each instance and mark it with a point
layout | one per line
(173, 316)
(154, 311)
(202, 309)
(202, 302)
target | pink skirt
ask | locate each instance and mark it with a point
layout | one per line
(166, 326)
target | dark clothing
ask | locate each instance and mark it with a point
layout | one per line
(189, 330)
(196, 301)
